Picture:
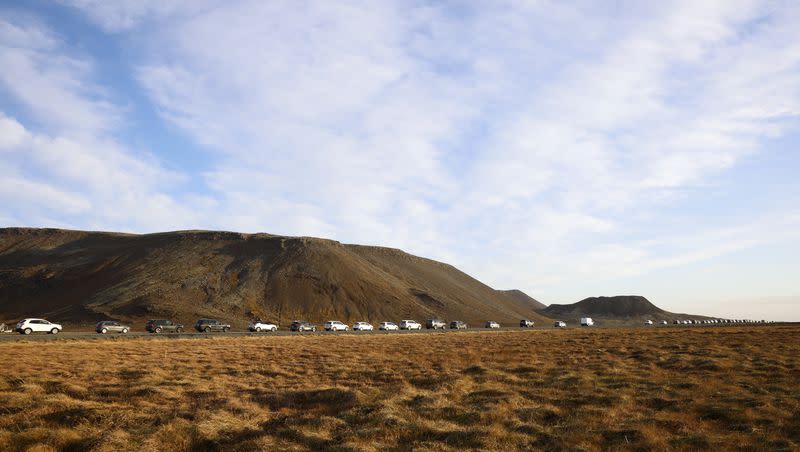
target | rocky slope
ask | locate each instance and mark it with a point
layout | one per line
(77, 276)
(522, 297)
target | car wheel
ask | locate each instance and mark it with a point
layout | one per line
(179, 330)
(226, 329)
(274, 329)
(27, 331)
(104, 331)
(158, 330)
(124, 331)
(54, 331)
(207, 330)
(258, 329)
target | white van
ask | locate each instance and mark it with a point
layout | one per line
(587, 321)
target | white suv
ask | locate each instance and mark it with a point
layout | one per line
(28, 326)
(259, 326)
(335, 325)
(410, 325)
(362, 326)
(387, 326)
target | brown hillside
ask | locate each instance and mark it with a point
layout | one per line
(522, 297)
(84, 276)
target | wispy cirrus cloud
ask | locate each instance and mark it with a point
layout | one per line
(532, 144)
(67, 168)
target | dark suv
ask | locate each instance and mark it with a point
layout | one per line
(163, 326)
(209, 325)
(302, 325)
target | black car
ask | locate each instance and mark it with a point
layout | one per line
(302, 325)
(163, 326)
(209, 325)
(526, 323)
(458, 325)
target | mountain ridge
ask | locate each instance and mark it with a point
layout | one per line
(82, 276)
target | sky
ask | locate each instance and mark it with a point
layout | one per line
(568, 149)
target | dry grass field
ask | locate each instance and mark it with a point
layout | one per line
(694, 388)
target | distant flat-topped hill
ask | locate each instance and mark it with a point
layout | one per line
(618, 306)
(621, 309)
(86, 276)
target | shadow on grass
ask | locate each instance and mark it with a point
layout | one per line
(71, 417)
(284, 427)
(329, 401)
(421, 438)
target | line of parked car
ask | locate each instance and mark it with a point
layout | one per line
(31, 325)
(711, 321)
(28, 326)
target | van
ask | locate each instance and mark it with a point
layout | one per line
(587, 321)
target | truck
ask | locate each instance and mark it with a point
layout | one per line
(587, 321)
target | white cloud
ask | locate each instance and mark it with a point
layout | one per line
(529, 143)
(12, 134)
(119, 16)
(76, 173)
(53, 86)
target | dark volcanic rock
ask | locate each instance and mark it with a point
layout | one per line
(79, 276)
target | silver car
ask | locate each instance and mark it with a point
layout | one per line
(110, 326)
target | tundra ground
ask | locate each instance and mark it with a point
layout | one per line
(681, 388)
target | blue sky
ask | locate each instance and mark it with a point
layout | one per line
(569, 149)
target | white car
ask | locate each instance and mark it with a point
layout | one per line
(648, 322)
(388, 326)
(362, 326)
(491, 324)
(560, 324)
(410, 325)
(335, 325)
(664, 322)
(28, 326)
(259, 326)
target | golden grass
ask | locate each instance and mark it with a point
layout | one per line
(712, 388)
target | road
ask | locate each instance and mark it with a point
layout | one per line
(91, 335)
